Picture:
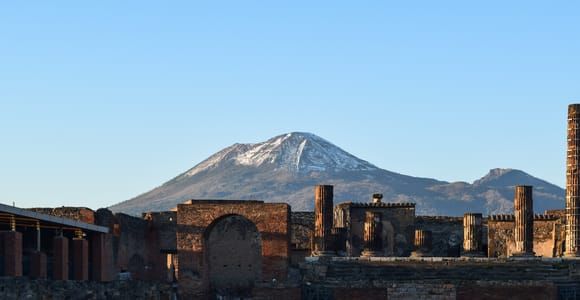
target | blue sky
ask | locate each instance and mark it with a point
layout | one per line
(101, 101)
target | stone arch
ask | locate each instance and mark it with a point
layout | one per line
(233, 255)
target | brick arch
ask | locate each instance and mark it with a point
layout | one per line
(272, 221)
(232, 255)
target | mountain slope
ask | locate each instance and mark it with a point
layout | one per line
(286, 168)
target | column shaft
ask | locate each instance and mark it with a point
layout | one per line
(573, 183)
(524, 221)
(472, 234)
(323, 206)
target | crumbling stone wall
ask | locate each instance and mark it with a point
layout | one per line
(81, 214)
(162, 243)
(272, 221)
(397, 222)
(549, 236)
(447, 234)
(21, 288)
(439, 278)
(301, 236)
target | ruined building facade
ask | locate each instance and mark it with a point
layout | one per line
(373, 249)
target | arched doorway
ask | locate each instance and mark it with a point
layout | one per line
(233, 254)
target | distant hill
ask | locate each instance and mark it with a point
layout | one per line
(287, 167)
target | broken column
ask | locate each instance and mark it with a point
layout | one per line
(423, 243)
(60, 265)
(472, 234)
(372, 236)
(524, 221)
(573, 183)
(323, 214)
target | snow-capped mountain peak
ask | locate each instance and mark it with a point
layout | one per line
(296, 152)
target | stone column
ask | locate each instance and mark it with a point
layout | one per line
(12, 253)
(423, 243)
(472, 234)
(573, 183)
(80, 257)
(60, 265)
(323, 214)
(524, 221)
(372, 235)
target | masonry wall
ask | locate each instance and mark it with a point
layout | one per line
(447, 234)
(549, 236)
(271, 219)
(398, 223)
(81, 214)
(302, 230)
(20, 288)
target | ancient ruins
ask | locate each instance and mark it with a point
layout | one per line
(230, 249)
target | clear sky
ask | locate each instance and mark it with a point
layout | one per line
(103, 100)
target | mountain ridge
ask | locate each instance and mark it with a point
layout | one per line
(286, 167)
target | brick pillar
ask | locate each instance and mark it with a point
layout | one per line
(472, 234)
(38, 265)
(372, 235)
(60, 264)
(573, 183)
(80, 259)
(12, 253)
(524, 221)
(323, 214)
(101, 258)
(423, 242)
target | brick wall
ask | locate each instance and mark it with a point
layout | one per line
(272, 220)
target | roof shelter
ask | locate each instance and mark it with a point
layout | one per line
(38, 245)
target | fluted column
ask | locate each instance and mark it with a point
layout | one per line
(472, 234)
(573, 183)
(323, 214)
(423, 242)
(524, 221)
(373, 242)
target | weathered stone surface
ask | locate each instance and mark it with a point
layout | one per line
(573, 182)
(195, 221)
(16, 289)
(397, 222)
(524, 221)
(372, 235)
(323, 220)
(548, 235)
(447, 234)
(472, 234)
(82, 214)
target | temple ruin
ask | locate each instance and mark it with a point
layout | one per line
(371, 249)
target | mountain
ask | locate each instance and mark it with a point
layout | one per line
(287, 167)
